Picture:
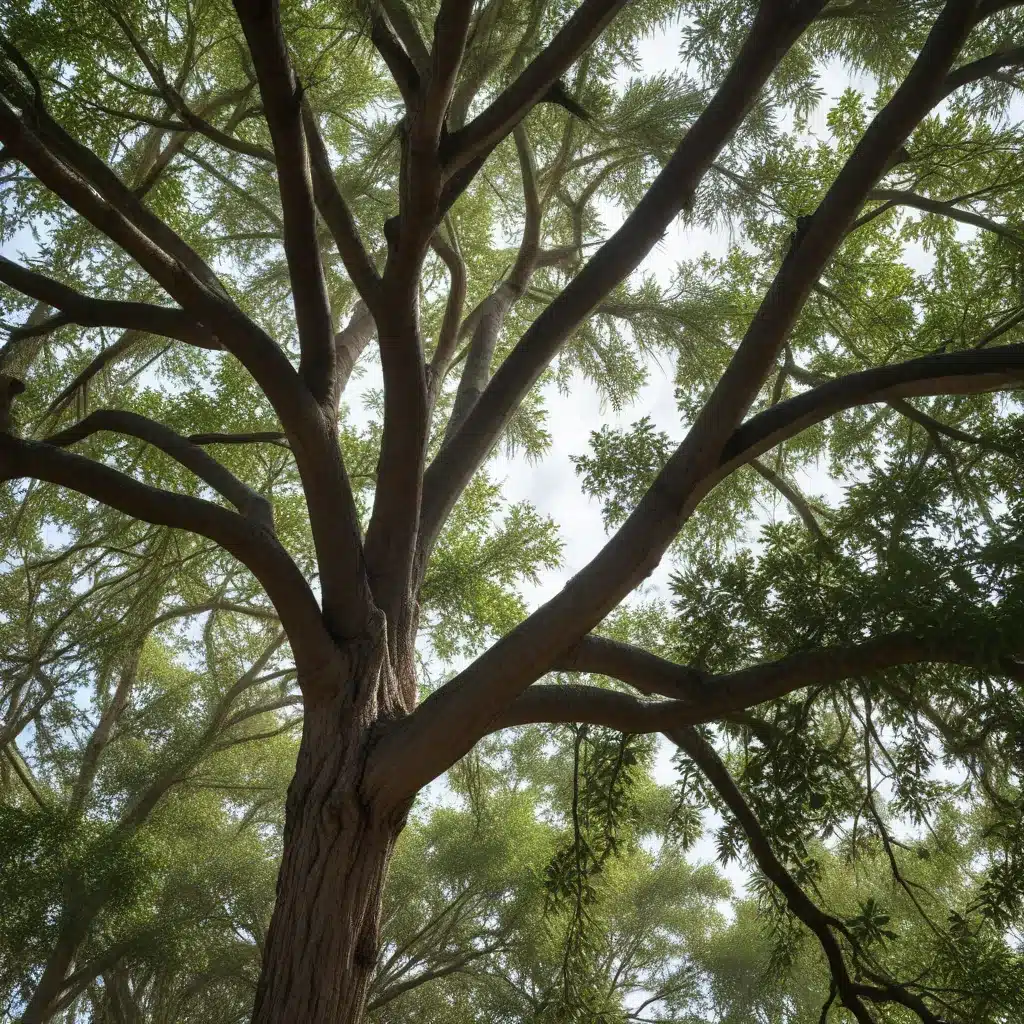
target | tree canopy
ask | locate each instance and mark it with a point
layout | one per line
(250, 610)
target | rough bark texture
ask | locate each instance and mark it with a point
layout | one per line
(322, 945)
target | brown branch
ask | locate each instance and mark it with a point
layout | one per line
(852, 993)
(256, 437)
(249, 502)
(282, 103)
(491, 313)
(89, 312)
(643, 671)
(801, 905)
(771, 36)
(475, 695)
(449, 334)
(488, 128)
(405, 27)
(350, 342)
(791, 494)
(899, 197)
(403, 69)
(451, 27)
(90, 188)
(970, 372)
(336, 214)
(69, 168)
(334, 519)
(176, 101)
(985, 67)
(697, 699)
(250, 542)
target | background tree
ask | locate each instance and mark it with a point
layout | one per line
(249, 197)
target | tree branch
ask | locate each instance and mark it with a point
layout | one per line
(251, 543)
(451, 27)
(403, 69)
(282, 103)
(490, 315)
(985, 67)
(704, 756)
(90, 188)
(698, 699)
(350, 342)
(89, 312)
(449, 334)
(337, 216)
(249, 502)
(488, 128)
(256, 437)
(791, 494)
(176, 101)
(893, 196)
(851, 992)
(970, 372)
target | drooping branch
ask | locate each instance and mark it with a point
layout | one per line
(249, 541)
(85, 311)
(249, 502)
(852, 993)
(772, 34)
(705, 757)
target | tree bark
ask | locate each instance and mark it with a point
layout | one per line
(76, 922)
(323, 940)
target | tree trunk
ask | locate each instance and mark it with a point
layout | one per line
(41, 1006)
(322, 945)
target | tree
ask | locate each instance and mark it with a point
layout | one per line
(346, 156)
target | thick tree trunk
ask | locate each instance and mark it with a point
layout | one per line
(322, 945)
